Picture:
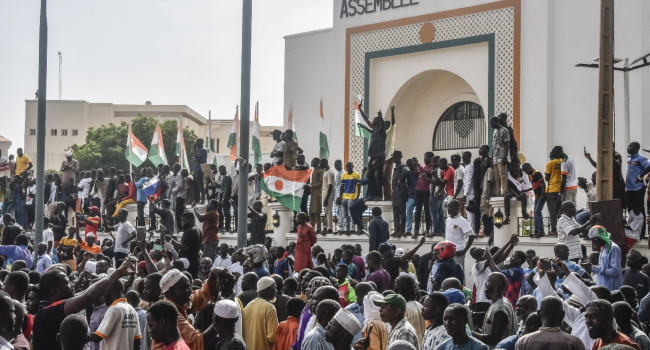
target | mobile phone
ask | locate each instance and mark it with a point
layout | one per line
(585, 148)
(141, 233)
(545, 264)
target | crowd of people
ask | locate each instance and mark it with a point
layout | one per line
(179, 287)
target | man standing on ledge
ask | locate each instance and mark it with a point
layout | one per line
(200, 157)
(500, 156)
(69, 168)
(637, 167)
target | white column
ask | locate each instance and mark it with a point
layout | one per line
(502, 235)
(386, 212)
(286, 223)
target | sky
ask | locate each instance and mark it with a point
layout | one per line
(168, 52)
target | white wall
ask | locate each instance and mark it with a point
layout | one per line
(558, 101)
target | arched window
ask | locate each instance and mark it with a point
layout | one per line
(461, 126)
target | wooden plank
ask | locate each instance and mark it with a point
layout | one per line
(605, 139)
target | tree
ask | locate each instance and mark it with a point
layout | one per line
(105, 146)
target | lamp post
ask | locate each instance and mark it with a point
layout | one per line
(627, 68)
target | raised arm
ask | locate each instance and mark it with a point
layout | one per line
(95, 291)
(410, 254)
(151, 267)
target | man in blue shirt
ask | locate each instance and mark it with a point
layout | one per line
(200, 157)
(609, 269)
(637, 167)
(142, 197)
(378, 229)
(18, 251)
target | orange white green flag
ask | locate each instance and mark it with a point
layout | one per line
(234, 133)
(181, 152)
(157, 149)
(287, 186)
(136, 153)
(358, 120)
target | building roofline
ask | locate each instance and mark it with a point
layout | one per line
(308, 33)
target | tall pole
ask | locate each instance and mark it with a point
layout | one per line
(626, 88)
(247, 12)
(209, 140)
(60, 75)
(40, 127)
(605, 136)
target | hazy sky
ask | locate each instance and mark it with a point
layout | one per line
(167, 52)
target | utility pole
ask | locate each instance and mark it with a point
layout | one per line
(605, 135)
(60, 75)
(40, 128)
(247, 12)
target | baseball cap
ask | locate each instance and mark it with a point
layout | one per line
(393, 299)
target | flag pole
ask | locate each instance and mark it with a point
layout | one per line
(130, 150)
(245, 96)
(159, 135)
(209, 143)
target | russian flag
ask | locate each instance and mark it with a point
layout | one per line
(150, 186)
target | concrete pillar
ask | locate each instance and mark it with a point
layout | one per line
(386, 212)
(286, 223)
(502, 235)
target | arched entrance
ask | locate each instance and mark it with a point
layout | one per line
(438, 104)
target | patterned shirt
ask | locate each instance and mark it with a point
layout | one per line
(232, 341)
(404, 331)
(504, 306)
(573, 267)
(499, 150)
(564, 226)
(639, 338)
(95, 319)
(433, 337)
(515, 280)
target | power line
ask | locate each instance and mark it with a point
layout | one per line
(60, 75)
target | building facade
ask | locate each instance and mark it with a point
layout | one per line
(449, 65)
(68, 121)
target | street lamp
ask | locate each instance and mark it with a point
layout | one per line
(627, 67)
(276, 220)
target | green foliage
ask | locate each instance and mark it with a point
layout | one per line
(105, 146)
(52, 171)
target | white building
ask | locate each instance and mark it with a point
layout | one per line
(68, 122)
(424, 57)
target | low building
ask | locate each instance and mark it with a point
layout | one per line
(68, 121)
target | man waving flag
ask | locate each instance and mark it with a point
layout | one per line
(285, 185)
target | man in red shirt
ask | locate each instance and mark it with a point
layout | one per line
(450, 173)
(306, 239)
(210, 228)
(92, 221)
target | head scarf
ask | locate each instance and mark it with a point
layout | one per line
(370, 310)
(348, 321)
(170, 279)
(599, 232)
(256, 253)
(317, 282)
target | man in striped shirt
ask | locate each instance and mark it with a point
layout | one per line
(569, 231)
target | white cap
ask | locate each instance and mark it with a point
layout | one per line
(170, 279)
(68, 153)
(348, 321)
(186, 263)
(264, 283)
(226, 309)
(399, 252)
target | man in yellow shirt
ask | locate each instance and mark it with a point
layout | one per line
(553, 175)
(23, 164)
(260, 320)
(349, 192)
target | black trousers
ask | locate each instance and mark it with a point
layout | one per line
(180, 209)
(376, 177)
(141, 206)
(226, 213)
(634, 200)
(422, 198)
(399, 217)
(200, 189)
